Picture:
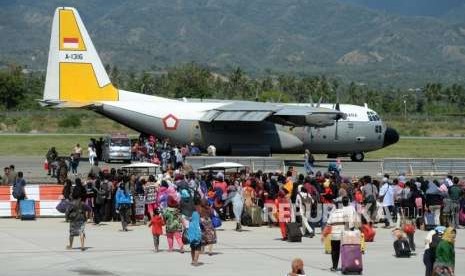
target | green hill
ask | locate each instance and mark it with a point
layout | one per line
(312, 36)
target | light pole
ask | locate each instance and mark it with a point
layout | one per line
(405, 109)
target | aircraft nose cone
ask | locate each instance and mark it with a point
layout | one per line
(391, 136)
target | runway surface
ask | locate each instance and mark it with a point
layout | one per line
(38, 248)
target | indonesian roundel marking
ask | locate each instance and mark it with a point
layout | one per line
(170, 122)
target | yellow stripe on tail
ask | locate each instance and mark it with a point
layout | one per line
(75, 74)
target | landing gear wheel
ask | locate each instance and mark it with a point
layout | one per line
(357, 157)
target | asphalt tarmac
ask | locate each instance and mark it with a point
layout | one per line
(38, 248)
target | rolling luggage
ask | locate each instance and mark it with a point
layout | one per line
(294, 234)
(363, 246)
(462, 217)
(327, 244)
(246, 220)
(27, 209)
(256, 215)
(429, 221)
(402, 249)
(351, 259)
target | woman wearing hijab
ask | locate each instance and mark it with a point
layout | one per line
(173, 224)
(445, 254)
(208, 231)
(235, 197)
(123, 205)
(195, 236)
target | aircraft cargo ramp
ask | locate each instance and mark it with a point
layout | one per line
(423, 167)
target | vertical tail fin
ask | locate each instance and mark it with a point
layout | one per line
(75, 73)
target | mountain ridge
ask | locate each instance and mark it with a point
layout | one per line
(281, 36)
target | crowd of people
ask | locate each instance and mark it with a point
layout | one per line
(180, 199)
(189, 206)
(144, 149)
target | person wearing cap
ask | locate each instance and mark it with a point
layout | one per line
(386, 195)
(297, 268)
(431, 242)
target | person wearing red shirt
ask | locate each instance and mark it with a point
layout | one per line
(219, 183)
(157, 228)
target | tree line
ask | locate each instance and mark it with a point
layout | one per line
(20, 89)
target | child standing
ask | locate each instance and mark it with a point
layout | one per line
(156, 223)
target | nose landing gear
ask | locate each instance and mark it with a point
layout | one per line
(357, 156)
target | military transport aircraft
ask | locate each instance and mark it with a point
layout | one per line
(76, 78)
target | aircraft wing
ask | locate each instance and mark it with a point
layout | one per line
(289, 115)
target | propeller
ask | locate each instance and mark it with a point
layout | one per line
(338, 116)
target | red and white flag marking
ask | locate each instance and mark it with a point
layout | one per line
(71, 42)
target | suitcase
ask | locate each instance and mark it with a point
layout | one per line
(429, 221)
(402, 249)
(294, 234)
(327, 244)
(27, 209)
(256, 216)
(246, 220)
(351, 259)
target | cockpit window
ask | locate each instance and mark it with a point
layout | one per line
(372, 116)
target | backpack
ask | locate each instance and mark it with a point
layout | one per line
(172, 221)
(18, 189)
(402, 249)
(100, 197)
(218, 194)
